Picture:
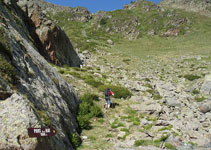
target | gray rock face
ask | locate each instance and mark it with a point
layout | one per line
(206, 86)
(40, 98)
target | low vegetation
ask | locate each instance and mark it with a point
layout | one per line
(120, 92)
(8, 72)
(44, 117)
(75, 140)
(191, 77)
(87, 110)
(200, 99)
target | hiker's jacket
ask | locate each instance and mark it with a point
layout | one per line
(110, 93)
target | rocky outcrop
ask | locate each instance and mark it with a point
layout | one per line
(39, 97)
(54, 43)
(201, 6)
(75, 14)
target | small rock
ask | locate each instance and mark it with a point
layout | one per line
(172, 102)
(206, 107)
(110, 42)
(205, 124)
(84, 137)
(162, 123)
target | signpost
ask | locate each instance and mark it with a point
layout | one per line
(41, 132)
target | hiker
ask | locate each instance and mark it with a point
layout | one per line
(108, 93)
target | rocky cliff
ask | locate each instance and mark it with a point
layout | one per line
(201, 6)
(53, 42)
(32, 93)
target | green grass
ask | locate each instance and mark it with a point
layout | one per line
(148, 85)
(148, 127)
(155, 94)
(169, 146)
(44, 117)
(93, 82)
(166, 128)
(116, 124)
(200, 99)
(75, 74)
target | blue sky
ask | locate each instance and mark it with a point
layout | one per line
(95, 5)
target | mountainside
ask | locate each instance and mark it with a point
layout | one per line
(141, 18)
(201, 6)
(155, 58)
(32, 93)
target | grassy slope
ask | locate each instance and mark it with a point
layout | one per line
(196, 42)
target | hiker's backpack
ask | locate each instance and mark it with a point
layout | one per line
(107, 92)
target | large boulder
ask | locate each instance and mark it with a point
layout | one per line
(206, 86)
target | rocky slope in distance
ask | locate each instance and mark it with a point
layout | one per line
(32, 93)
(201, 6)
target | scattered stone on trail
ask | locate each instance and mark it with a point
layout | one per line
(206, 86)
(172, 102)
(206, 107)
(162, 123)
(148, 108)
(110, 42)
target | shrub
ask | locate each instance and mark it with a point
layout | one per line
(191, 77)
(195, 91)
(61, 71)
(103, 21)
(7, 70)
(96, 111)
(84, 122)
(120, 92)
(87, 110)
(75, 140)
(4, 43)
